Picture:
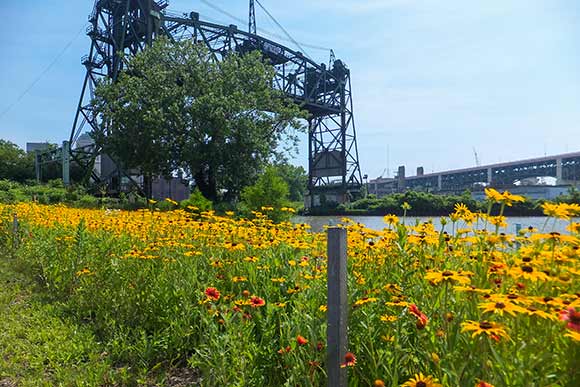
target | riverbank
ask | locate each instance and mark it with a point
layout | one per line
(427, 204)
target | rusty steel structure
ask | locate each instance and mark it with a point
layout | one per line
(119, 29)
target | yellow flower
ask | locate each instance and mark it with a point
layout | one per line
(527, 271)
(559, 210)
(392, 288)
(500, 307)
(437, 277)
(84, 271)
(365, 300)
(574, 227)
(388, 339)
(462, 212)
(435, 358)
(421, 380)
(388, 318)
(171, 201)
(391, 219)
(508, 198)
(488, 328)
(499, 221)
(493, 195)
(574, 335)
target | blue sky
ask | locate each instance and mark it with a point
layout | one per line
(432, 79)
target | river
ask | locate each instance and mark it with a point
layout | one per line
(376, 222)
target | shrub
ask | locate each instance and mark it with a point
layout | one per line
(196, 199)
(270, 191)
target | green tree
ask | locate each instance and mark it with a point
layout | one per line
(176, 108)
(270, 190)
(296, 178)
(15, 164)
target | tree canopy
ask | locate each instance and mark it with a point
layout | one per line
(295, 177)
(176, 108)
(15, 164)
(270, 191)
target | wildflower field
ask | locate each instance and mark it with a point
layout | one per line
(244, 301)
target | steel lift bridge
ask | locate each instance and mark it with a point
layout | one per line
(129, 26)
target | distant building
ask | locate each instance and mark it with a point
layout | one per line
(174, 188)
(32, 147)
(382, 186)
(85, 140)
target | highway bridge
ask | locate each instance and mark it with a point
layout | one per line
(565, 168)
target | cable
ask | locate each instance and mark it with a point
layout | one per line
(283, 29)
(215, 7)
(264, 31)
(43, 73)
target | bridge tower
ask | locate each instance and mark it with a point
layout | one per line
(120, 29)
(117, 28)
(252, 18)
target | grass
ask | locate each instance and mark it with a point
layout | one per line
(41, 346)
(38, 347)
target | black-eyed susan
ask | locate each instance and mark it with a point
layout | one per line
(557, 210)
(391, 219)
(420, 380)
(573, 335)
(508, 199)
(463, 212)
(535, 312)
(436, 277)
(488, 328)
(388, 318)
(365, 300)
(493, 195)
(501, 307)
(527, 272)
(397, 301)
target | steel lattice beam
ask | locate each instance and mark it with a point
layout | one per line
(128, 26)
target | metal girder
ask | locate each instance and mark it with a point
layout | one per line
(125, 27)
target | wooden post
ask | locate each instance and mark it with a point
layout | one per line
(15, 233)
(337, 313)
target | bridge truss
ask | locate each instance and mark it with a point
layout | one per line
(125, 27)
